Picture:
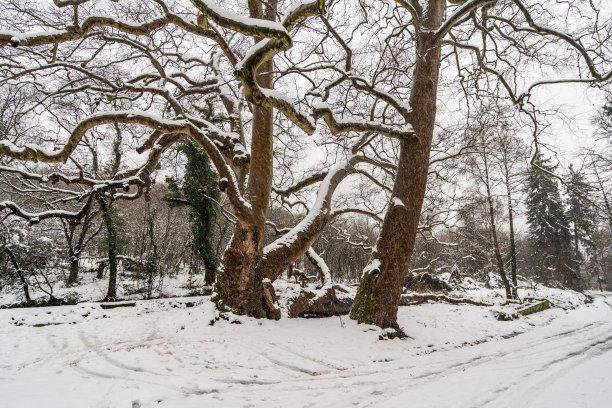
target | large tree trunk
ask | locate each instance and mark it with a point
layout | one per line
(239, 285)
(74, 270)
(380, 289)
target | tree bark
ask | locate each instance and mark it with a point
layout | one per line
(512, 238)
(111, 294)
(239, 285)
(506, 171)
(498, 256)
(74, 270)
(283, 252)
(380, 289)
(22, 278)
(100, 273)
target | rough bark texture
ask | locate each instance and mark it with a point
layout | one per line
(328, 304)
(239, 286)
(297, 242)
(380, 289)
(74, 271)
(111, 294)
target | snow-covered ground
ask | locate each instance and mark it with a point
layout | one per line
(92, 289)
(162, 353)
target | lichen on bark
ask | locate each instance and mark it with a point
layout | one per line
(362, 305)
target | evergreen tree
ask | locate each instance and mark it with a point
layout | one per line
(580, 212)
(549, 233)
(199, 189)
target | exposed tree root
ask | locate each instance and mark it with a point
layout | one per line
(320, 303)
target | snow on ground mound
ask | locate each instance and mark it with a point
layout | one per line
(493, 292)
(163, 353)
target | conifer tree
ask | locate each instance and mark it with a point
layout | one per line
(580, 212)
(549, 233)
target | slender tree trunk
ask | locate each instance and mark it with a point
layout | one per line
(19, 271)
(512, 240)
(380, 288)
(498, 255)
(111, 294)
(239, 286)
(100, 273)
(510, 222)
(605, 197)
(576, 249)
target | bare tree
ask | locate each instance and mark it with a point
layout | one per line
(85, 53)
(492, 43)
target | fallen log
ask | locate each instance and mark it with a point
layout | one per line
(507, 315)
(538, 307)
(117, 304)
(418, 298)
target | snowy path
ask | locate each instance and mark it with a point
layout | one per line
(161, 354)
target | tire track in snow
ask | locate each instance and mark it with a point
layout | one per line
(586, 336)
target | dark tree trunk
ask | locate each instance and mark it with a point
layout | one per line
(239, 285)
(510, 220)
(74, 270)
(498, 256)
(380, 289)
(19, 271)
(111, 230)
(512, 239)
(100, 273)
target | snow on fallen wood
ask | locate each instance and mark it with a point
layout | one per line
(538, 307)
(117, 304)
(418, 298)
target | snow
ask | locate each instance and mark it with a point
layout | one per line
(165, 353)
(373, 266)
(495, 293)
(396, 201)
(92, 289)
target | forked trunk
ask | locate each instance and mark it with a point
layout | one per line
(239, 286)
(380, 289)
